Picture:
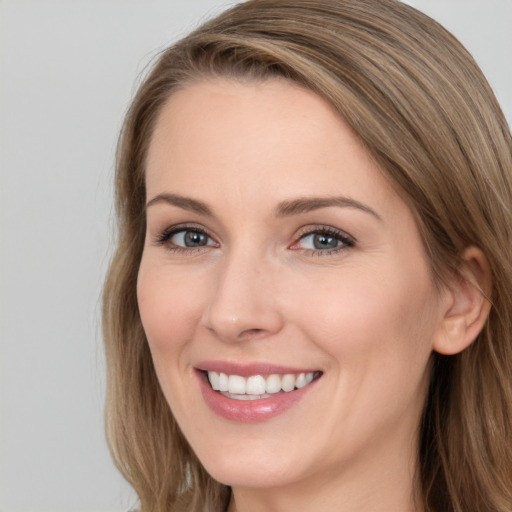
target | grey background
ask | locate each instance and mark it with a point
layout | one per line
(68, 70)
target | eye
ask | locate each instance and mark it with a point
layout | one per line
(183, 238)
(323, 240)
(190, 238)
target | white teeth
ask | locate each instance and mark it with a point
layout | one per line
(246, 397)
(301, 380)
(223, 382)
(236, 385)
(288, 382)
(214, 380)
(273, 384)
(256, 386)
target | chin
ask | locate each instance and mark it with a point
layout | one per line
(250, 477)
(252, 472)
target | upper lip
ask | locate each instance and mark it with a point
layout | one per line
(248, 369)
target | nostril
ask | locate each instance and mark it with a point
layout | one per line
(251, 334)
(233, 321)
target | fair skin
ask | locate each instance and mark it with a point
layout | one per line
(342, 288)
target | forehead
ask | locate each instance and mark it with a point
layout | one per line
(226, 114)
(271, 139)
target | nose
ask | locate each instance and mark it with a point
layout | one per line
(244, 304)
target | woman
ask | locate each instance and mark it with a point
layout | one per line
(309, 307)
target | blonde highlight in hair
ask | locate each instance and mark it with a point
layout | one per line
(422, 107)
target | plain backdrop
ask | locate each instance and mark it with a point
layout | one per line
(68, 70)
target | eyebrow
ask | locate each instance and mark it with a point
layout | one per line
(284, 209)
(308, 204)
(185, 203)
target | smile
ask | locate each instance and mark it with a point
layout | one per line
(256, 387)
(253, 392)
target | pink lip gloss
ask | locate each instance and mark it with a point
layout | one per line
(249, 411)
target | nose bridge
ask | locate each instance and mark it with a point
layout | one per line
(242, 306)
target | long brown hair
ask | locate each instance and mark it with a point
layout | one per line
(422, 107)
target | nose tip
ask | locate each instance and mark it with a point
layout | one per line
(247, 324)
(243, 307)
(236, 329)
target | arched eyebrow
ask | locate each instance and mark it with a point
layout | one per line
(185, 203)
(308, 204)
(284, 209)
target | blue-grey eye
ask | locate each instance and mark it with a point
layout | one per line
(320, 241)
(191, 238)
(324, 240)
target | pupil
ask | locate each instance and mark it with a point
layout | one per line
(325, 242)
(195, 239)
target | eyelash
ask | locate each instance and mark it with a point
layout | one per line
(345, 240)
(164, 238)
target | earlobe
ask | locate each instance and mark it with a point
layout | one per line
(468, 305)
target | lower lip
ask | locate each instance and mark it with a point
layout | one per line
(250, 411)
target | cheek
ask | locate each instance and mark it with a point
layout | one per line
(169, 306)
(371, 320)
(378, 338)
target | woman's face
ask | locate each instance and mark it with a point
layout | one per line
(282, 267)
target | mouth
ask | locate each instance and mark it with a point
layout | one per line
(253, 392)
(258, 387)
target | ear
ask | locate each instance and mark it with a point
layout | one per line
(468, 304)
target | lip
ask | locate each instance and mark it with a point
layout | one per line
(249, 411)
(248, 369)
